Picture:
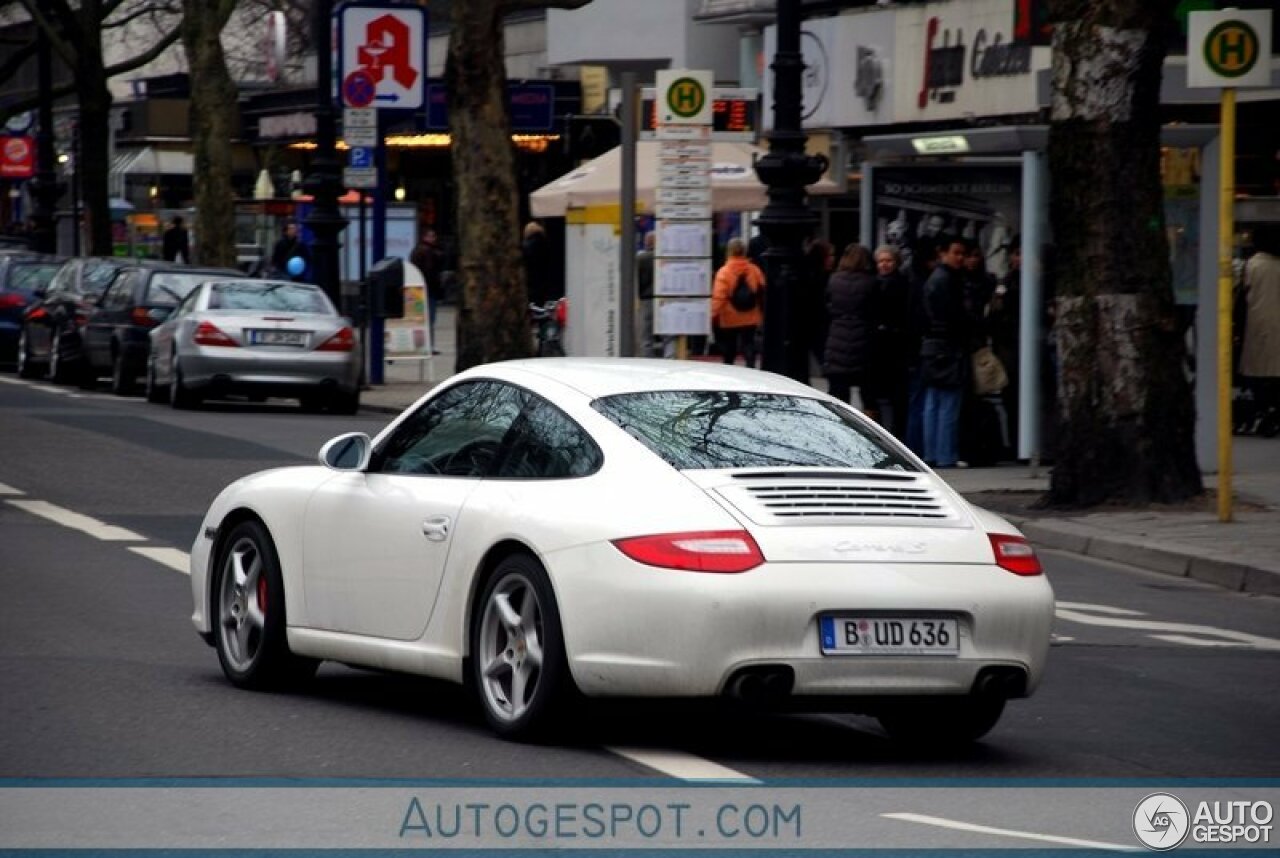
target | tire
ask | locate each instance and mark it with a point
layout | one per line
(248, 613)
(26, 367)
(934, 722)
(180, 396)
(518, 665)
(122, 377)
(155, 393)
(58, 372)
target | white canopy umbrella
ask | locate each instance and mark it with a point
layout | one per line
(734, 186)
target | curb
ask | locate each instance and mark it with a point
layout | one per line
(1086, 541)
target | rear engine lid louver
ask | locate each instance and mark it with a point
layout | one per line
(846, 497)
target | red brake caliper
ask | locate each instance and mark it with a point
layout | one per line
(262, 594)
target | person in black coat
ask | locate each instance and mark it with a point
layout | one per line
(853, 310)
(895, 350)
(819, 259)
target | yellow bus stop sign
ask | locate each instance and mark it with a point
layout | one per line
(1230, 48)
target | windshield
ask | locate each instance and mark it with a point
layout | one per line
(168, 288)
(694, 429)
(262, 295)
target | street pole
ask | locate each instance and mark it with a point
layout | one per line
(787, 219)
(323, 182)
(1226, 229)
(627, 221)
(46, 188)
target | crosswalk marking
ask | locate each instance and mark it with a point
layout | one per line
(680, 765)
(956, 825)
(78, 521)
(179, 561)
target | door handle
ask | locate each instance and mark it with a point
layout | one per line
(436, 528)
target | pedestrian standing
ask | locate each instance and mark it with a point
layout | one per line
(535, 253)
(890, 374)
(290, 246)
(853, 307)
(645, 340)
(1260, 357)
(943, 355)
(428, 258)
(737, 299)
(820, 261)
(176, 242)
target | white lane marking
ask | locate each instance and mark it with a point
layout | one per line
(12, 381)
(680, 765)
(10, 490)
(1100, 609)
(1242, 638)
(1008, 832)
(179, 561)
(1190, 641)
(77, 521)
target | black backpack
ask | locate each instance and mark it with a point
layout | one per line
(743, 297)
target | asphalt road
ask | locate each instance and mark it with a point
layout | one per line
(104, 677)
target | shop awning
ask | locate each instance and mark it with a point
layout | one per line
(734, 186)
(150, 161)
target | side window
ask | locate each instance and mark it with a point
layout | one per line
(60, 282)
(546, 444)
(188, 303)
(119, 293)
(456, 434)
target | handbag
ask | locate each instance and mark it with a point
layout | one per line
(989, 376)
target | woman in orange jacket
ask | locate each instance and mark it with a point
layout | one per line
(735, 315)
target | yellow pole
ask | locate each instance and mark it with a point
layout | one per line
(682, 347)
(1226, 230)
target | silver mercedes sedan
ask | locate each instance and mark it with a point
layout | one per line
(256, 338)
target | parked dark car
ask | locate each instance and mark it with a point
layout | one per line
(50, 335)
(24, 277)
(139, 297)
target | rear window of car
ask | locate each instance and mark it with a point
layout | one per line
(96, 276)
(701, 429)
(284, 297)
(167, 289)
(32, 276)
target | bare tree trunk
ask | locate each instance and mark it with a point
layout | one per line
(1125, 409)
(213, 118)
(492, 322)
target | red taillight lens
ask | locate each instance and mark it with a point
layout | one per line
(1015, 554)
(37, 313)
(562, 311)
(142, 316)
(343, 341)
(11, 301)
(698, 551)
(208, 334)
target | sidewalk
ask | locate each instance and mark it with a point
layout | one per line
(1187, 541)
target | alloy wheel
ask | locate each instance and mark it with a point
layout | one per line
(511, 647)
(243, 604)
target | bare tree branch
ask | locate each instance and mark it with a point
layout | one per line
(61, 46)
(142, 59)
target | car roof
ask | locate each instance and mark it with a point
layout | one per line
(596, 377)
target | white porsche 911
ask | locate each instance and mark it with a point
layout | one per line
(546, 528)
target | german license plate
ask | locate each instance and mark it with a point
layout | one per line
(889, 636)
(278, 338)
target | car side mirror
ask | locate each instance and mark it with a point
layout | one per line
(349, 452)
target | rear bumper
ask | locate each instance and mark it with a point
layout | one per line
(691, 634)
(219, 371)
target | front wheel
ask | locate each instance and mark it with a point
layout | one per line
(180, 396)
(249, 613)
(518, 662)
(942, 722)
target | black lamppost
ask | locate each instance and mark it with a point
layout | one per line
(46, 189)
(786, 219)
(323, 182)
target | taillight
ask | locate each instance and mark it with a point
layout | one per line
(562, 311)
(343, 341)
(11, 301)
(208, 334)
(144, 317)
(697, 551)
(37, 313)
(1015, 554)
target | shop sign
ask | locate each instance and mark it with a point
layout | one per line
(964, 61)
(17, 157)
(849, 76)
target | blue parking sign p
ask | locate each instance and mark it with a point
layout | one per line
(361, 157)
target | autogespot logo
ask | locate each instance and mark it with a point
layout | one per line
(1161, 821)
